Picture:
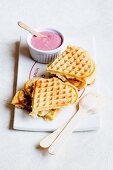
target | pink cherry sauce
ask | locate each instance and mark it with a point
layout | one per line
(52, 41)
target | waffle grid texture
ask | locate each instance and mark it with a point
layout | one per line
(74, 62)
(52, 94)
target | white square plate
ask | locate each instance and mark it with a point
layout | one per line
(28, 68)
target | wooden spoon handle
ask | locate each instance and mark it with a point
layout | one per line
(33, 32)
(65, 133)
(48, 140)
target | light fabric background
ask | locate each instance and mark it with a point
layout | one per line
(85, 151)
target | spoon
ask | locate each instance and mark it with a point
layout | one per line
(56, 138)
(33, 32)
(48, 140)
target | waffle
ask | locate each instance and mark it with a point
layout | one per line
(45, 114)
(52, 94)
(73, 64)
(29, 86)
(20, 101)
(77, 83)
(46, 95)
(51, 114)
(16, 101)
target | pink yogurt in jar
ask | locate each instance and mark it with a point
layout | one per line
(52, 41)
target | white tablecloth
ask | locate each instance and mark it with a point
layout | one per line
(84, 151)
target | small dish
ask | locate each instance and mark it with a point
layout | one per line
(42, 56)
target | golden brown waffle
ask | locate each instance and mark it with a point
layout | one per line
(73, 62)
(52, 94)
(16, 101)
(77, 83)
(48, 96)
(22, 101)
(81, 83)
(29, 86)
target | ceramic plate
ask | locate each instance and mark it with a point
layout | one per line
(28, 69)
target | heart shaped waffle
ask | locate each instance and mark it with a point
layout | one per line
(52, 94)
(74, 62)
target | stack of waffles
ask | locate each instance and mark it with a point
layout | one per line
(71, 71)
(74, 65)
(44, 97)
